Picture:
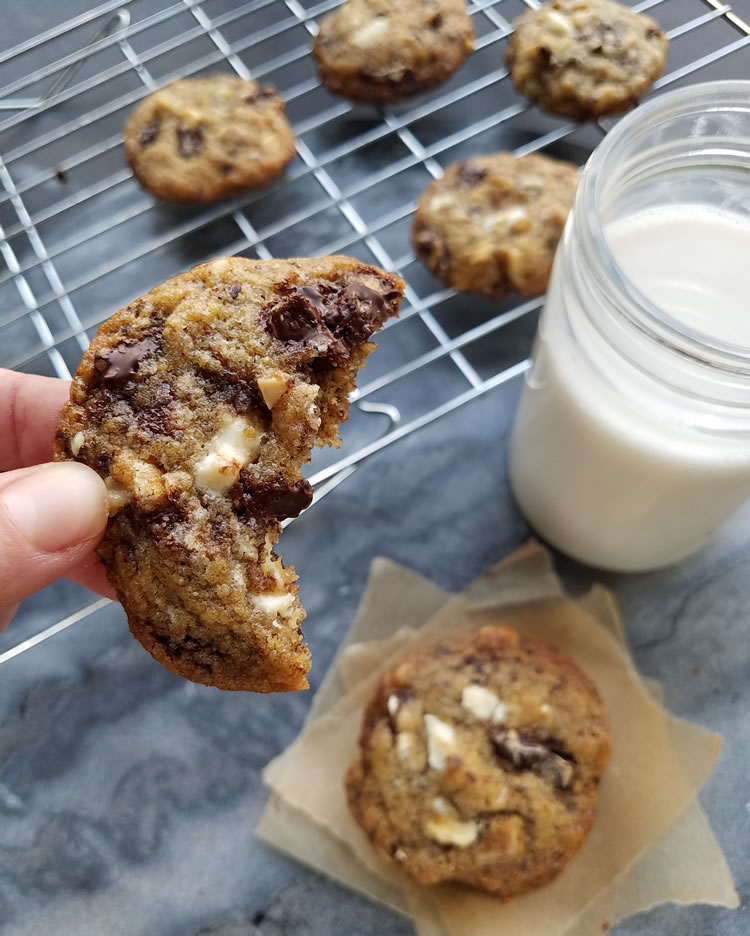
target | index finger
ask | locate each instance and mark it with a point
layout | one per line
(29, 411)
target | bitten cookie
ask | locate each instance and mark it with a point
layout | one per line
(491, 224)
(204, 139)
(385, 50)
(198, 405)
(480, 762)
(584, 59)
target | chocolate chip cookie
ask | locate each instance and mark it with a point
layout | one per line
(386, 50)
(584, 59)
(198, 405)
(204, 139)
(491, 224)
(480, 762)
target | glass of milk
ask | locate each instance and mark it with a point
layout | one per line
(632, 440)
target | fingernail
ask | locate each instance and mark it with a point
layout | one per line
(58, 505)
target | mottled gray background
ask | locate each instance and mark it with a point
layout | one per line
(128, 796)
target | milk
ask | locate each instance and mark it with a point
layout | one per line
(616, 475)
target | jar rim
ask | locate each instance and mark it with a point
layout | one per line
(696, 98)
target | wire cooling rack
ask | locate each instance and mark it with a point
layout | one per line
(79, 238)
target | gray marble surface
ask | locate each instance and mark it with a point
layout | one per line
(128, 796)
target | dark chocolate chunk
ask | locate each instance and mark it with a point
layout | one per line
(123, 362)
(332, 317)
(297, 318)
(437, 21)
(276, 499)
(544, 56)
(549, 759)
(150, 132)
(469, 174)
(189, 142)
(264, 91)
(312, 295)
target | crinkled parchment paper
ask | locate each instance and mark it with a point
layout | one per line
(651, 842)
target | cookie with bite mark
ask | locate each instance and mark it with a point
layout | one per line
(198, 404)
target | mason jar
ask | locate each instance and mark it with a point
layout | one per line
(631, 444)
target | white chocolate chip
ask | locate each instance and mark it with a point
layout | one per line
(441, 741)
(233, 447)
(445, 830)
(393, 705)
(405, 741)
(506, 219)
(479, 701)
(270, 564)
(273, 602)
(272, 389)
(441, 200)
(399, 854)
(76, 443)
(441, 806)
(117, 495)
(559, 24)
(369, 34)
(483, 704)
(531, 183)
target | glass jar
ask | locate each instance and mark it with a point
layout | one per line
(631, 444)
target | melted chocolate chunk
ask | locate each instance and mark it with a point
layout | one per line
(549, 759)
(189, 142)
(470, 175)
(150, 132)
(331, 317)
(276, 499)
(124, 361)
(297, 318)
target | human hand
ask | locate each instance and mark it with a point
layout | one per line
(52, 515)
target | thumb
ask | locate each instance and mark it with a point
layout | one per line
(51, 516)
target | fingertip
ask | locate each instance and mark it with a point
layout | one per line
(57, 506)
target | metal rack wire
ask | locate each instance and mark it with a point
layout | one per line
(78, 238)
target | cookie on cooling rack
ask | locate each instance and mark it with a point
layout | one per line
(198, 404)
(205, 139)
(491, 224)
(480, 762)
(584, 59)
(385, 50)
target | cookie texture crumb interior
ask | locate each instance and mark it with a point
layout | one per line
(480, 761)
(386, 50)
(584, 59)
(198, 404)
